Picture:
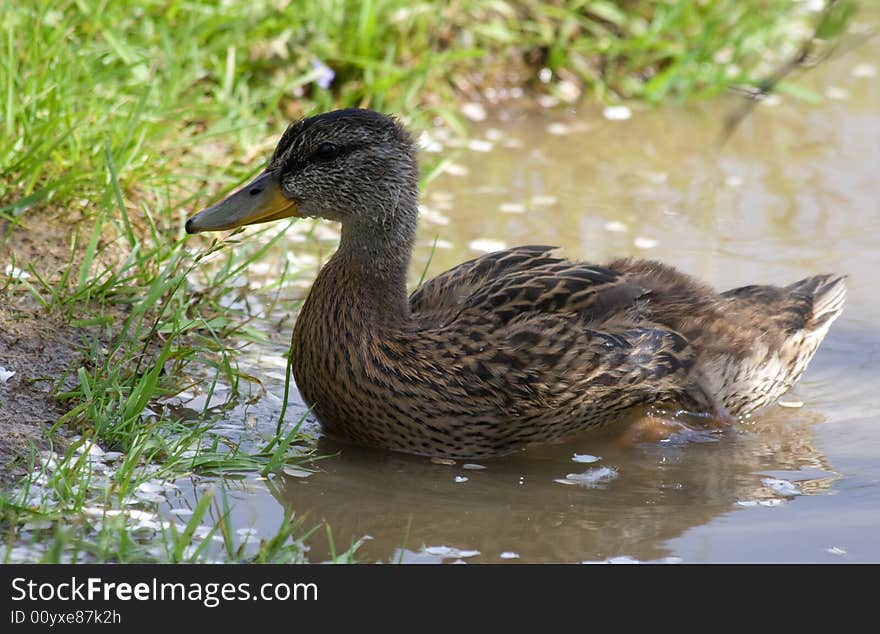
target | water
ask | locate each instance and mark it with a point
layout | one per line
(793, 193)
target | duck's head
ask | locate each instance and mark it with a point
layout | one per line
(354, 166)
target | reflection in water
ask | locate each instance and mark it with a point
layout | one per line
(516, 505)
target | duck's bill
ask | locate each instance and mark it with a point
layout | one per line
(260, 200)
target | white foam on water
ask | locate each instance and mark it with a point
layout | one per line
(617, 113)
(512, 208)
(474, 111)
(450, 552)
(791, 404)
(642, 242)
(615, 226)
(589, 478)
(296, 473)
(769, 503)
(486, 245)
(785, 488)
(479, 145)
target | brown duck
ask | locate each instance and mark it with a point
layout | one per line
(512, 348)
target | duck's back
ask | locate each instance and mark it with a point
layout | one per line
(440, 299)
(745, 347)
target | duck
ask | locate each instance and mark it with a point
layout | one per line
(516, 347)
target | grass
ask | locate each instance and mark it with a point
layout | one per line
(120, 119)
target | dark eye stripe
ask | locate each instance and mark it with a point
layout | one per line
(294, 162)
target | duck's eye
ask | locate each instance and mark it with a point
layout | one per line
(326, 151)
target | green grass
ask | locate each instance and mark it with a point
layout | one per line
(119, 120)
(98, 93)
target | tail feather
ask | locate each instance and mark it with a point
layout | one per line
(796, 319)
(828, 293)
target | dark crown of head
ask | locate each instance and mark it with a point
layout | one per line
(342, 128)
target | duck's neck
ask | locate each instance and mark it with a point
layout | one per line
(368, 272)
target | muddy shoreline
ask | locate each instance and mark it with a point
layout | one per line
(44, 354)
(37, 343)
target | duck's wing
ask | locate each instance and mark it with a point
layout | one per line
(595, 294)
(554, 348)
(575, 336)
(446, 292)
(543, 376)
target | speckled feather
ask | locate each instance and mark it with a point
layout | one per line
(518, 346)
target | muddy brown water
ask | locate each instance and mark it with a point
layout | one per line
(793, 193)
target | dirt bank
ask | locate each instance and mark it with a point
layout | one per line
(42, 350)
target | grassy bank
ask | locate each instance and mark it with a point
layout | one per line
(173, 96)
(119, 121)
